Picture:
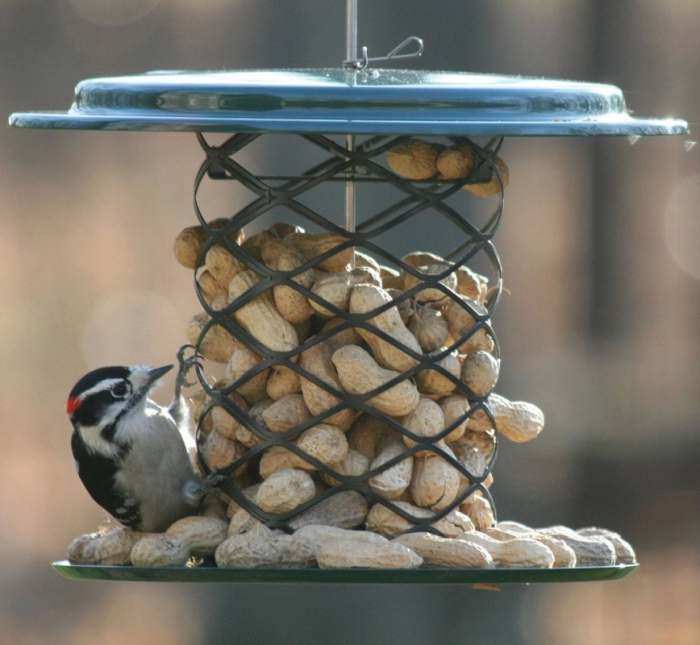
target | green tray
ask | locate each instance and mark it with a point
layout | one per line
(344, 576)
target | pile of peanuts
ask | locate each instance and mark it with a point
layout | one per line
(343, 530)
(323, 541)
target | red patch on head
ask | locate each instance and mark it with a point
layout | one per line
(73, 404)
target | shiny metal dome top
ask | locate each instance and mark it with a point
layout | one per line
(345, 101)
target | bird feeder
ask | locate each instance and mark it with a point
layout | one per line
(431, 139)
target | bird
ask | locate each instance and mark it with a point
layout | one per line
(132, 455)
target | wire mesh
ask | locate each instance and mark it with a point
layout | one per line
(362, 165)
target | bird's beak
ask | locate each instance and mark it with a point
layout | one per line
(155, 373)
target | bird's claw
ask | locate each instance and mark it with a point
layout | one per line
(185, 365)
(213, 480)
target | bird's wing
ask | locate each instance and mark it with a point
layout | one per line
(98, 476)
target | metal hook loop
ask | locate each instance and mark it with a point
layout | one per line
(364, 61)
(394, 53)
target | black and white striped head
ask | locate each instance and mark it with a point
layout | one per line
(104, 395)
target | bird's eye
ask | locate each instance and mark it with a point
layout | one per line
(120, 390)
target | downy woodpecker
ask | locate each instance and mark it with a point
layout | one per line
(132, 455)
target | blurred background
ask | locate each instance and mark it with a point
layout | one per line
(601, 253)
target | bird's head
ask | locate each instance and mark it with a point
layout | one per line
(104, 395)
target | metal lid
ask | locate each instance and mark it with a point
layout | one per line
(341, 101)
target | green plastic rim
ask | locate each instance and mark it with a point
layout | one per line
(343, 576)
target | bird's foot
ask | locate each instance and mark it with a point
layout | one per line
(185, 364)
(213, 480)
(195, 491)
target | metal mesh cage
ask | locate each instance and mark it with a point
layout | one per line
(361, 165)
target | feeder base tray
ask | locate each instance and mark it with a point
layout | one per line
(344, 576)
